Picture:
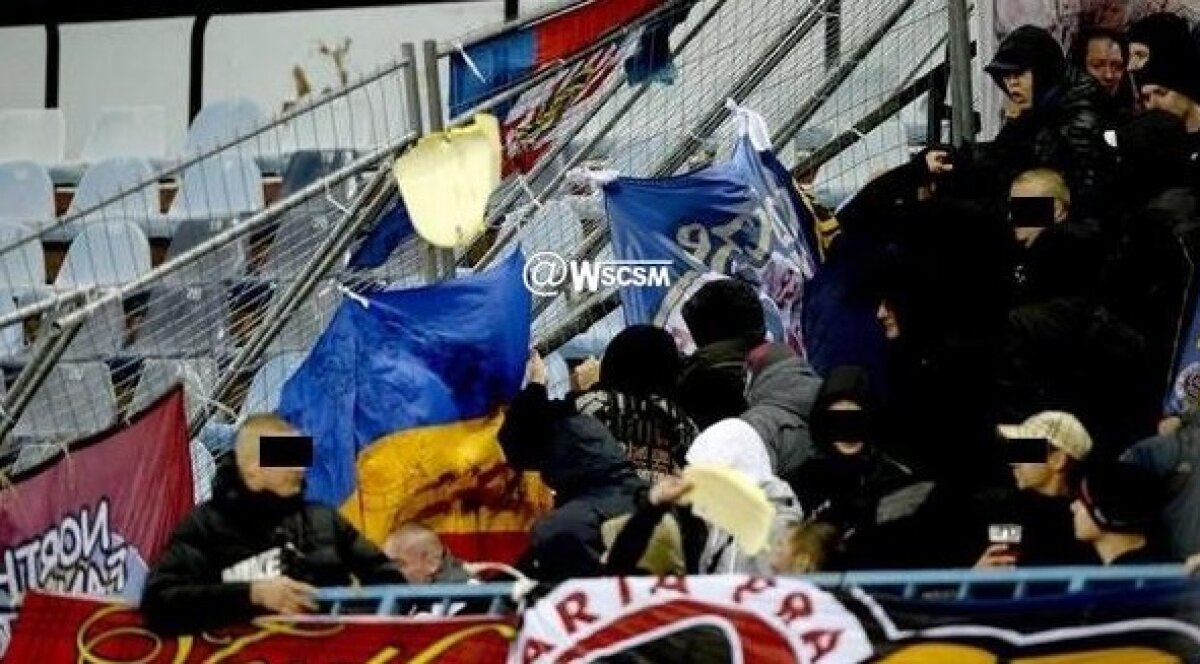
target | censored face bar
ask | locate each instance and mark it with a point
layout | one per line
(285, 451)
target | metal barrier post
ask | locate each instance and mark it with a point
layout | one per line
(962, 124)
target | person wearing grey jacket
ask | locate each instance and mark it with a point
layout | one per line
(781, 393)
(1174, 458)
(780, 386)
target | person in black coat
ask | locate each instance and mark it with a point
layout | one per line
(1151, 280)
(843, 483)
(1062, 349)
(256, 547)
(585, 466)
(1054, 118)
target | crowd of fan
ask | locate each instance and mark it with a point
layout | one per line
(1008, 313)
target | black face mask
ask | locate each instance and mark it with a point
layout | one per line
(848, 426)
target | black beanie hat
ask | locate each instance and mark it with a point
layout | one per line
(642, 360)
(1161, 30)
(1173, 66)
(1121, 498)
(725, 310)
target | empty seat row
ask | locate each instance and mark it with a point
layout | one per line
(220, 187)
(40, 134)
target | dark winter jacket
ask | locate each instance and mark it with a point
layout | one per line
(1175, 460)
(1064, 129)
(1152, 282)
(780, 394)
(202, 580)
(586, 467)
(841, 489)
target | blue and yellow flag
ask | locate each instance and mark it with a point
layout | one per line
(403, 396)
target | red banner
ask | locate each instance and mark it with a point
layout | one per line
(92, 520)
(55, 628)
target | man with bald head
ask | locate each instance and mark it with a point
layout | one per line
(257, 546)
(421, 557)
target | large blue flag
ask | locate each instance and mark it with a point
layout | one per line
(738, 218)
(403, 395)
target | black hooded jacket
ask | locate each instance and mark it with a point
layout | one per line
(187, 590)
(1151, 282)
(1063, 130)
(845, 489)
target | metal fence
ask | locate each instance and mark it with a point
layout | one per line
(819, 71)
(223, 291)
(213, 275)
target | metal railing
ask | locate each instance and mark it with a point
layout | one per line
(956, 585)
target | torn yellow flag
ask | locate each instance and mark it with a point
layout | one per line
(446, 180)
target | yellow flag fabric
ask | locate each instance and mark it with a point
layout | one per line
(446, 180)
(452, 478)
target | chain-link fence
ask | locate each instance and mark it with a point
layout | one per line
(216, 276)
(819, 71)
(222, 285)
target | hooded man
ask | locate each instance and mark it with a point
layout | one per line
(1151, 33)
(1170, 82)
(1054, 117)
(849, 473)
(256, 547)
(1159, 237)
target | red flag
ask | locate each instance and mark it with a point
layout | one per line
(92, 520)
(53, 629)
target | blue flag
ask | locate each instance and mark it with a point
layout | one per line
(1184, 394)
(738, 218)
(393, 228)
(396, 361)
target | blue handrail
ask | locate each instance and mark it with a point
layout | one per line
(956, 584)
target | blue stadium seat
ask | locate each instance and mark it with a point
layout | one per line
(26, 194)
(198, 377)
(101, 336)
(225, 263)
(22, 268)
(267, 384)
(222, 122)
(106, 253)
(34, 134)
(75, 400)
(308, 166)
(104, 180)
(186, 321)
(127, 131)
(220, 187)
